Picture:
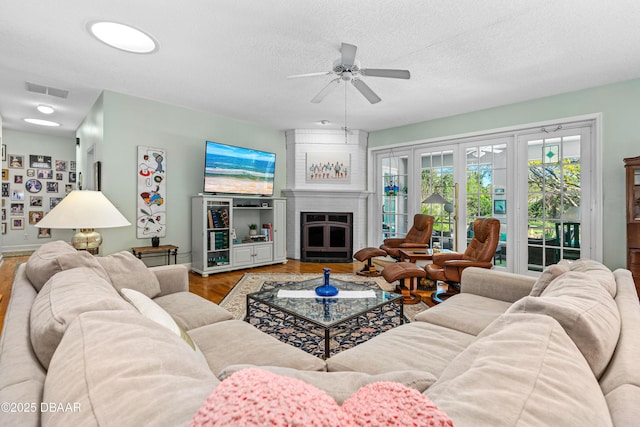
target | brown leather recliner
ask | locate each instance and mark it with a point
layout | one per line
(448, 267)
(417, 238)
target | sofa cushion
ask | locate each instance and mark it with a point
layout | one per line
(255, 397)
(341, 385)
(153, 311)
(236, 342)
(192, 311)
(56, 256)
(124, 370)
(412, 346)
(65, 296)
(522, 370)
(465, 312)
(547, 276)
(585, 310)
(127, 271)
(597, 271)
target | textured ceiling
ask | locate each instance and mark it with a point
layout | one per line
(232, 57)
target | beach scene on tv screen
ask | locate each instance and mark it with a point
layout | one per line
(237, 170)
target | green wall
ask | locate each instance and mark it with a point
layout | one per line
(620, 108)
(129, 122)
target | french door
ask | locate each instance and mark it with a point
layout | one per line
(540, 184)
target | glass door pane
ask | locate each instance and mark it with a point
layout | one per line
(436, 172)
(486, 190)
(554, 198)
(394, 196)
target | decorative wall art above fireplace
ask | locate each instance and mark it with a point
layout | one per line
(327, 167)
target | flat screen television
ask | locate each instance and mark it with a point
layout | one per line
(237, 170)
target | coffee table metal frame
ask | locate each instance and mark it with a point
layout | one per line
(325, 313)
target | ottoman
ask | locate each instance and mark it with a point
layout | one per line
(365, 255)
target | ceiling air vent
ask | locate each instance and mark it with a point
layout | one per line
(46, 90)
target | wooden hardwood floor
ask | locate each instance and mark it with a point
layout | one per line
(213, 288)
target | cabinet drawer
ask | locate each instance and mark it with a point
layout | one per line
(634, 256)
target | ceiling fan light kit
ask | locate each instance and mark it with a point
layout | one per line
(348, 69)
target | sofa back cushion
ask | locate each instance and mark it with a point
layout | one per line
(522, 370)
(124, 370)
(65, 296)
(127, 271)
(585, 310)
(547, 276)
(56, 256)
(598, 272)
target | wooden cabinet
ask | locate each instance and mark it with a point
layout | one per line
(632, 166)
(221, 239)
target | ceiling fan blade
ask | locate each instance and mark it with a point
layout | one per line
(382, 72)
(348, 53)
(325, 91)
(321, 73)
(366, 91)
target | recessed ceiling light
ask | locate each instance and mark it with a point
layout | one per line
(123, 37)
(324, 122)
(45, 109)
(41, 122)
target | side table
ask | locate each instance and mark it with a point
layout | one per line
(156, 251)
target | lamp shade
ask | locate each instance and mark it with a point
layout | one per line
(84, 209)
(435, 198)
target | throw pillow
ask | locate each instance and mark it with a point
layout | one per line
(43, 262)
(255, 397)
(547, 276)
(342, 385)
(153, 311)
(61, 300)
(586, 311)
(127, 271)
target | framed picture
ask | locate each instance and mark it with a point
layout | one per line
(5, 189)
(72, 165)
(33, 186)
(61, 165)
(4, 156)
(72, 177)
(40, 162)
(59, 176)
(4, 214)
(500, 207)
(44, 233)
(17, 194)
(4, 224)
(16, 161)
(17, 209)
(5, 174)
(17, 179)
(53, 202)
(52, 187)
(45, 174)
(35, 201)
(31, 172)
(17, 223)
(68, 188)
(35, 217)
(327, 167)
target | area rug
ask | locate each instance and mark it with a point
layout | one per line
(354, 333)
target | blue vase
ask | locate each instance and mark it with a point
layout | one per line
(326, 290)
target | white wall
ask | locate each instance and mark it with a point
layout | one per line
(128, 122)
(25, 144)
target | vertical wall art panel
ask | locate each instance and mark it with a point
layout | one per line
(151, 196)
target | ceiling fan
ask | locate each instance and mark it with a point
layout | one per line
(348, 69)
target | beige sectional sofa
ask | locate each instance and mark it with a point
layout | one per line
(509, 350)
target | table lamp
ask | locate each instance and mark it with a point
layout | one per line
(84, 210)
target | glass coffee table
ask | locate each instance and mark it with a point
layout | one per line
(297, 304)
